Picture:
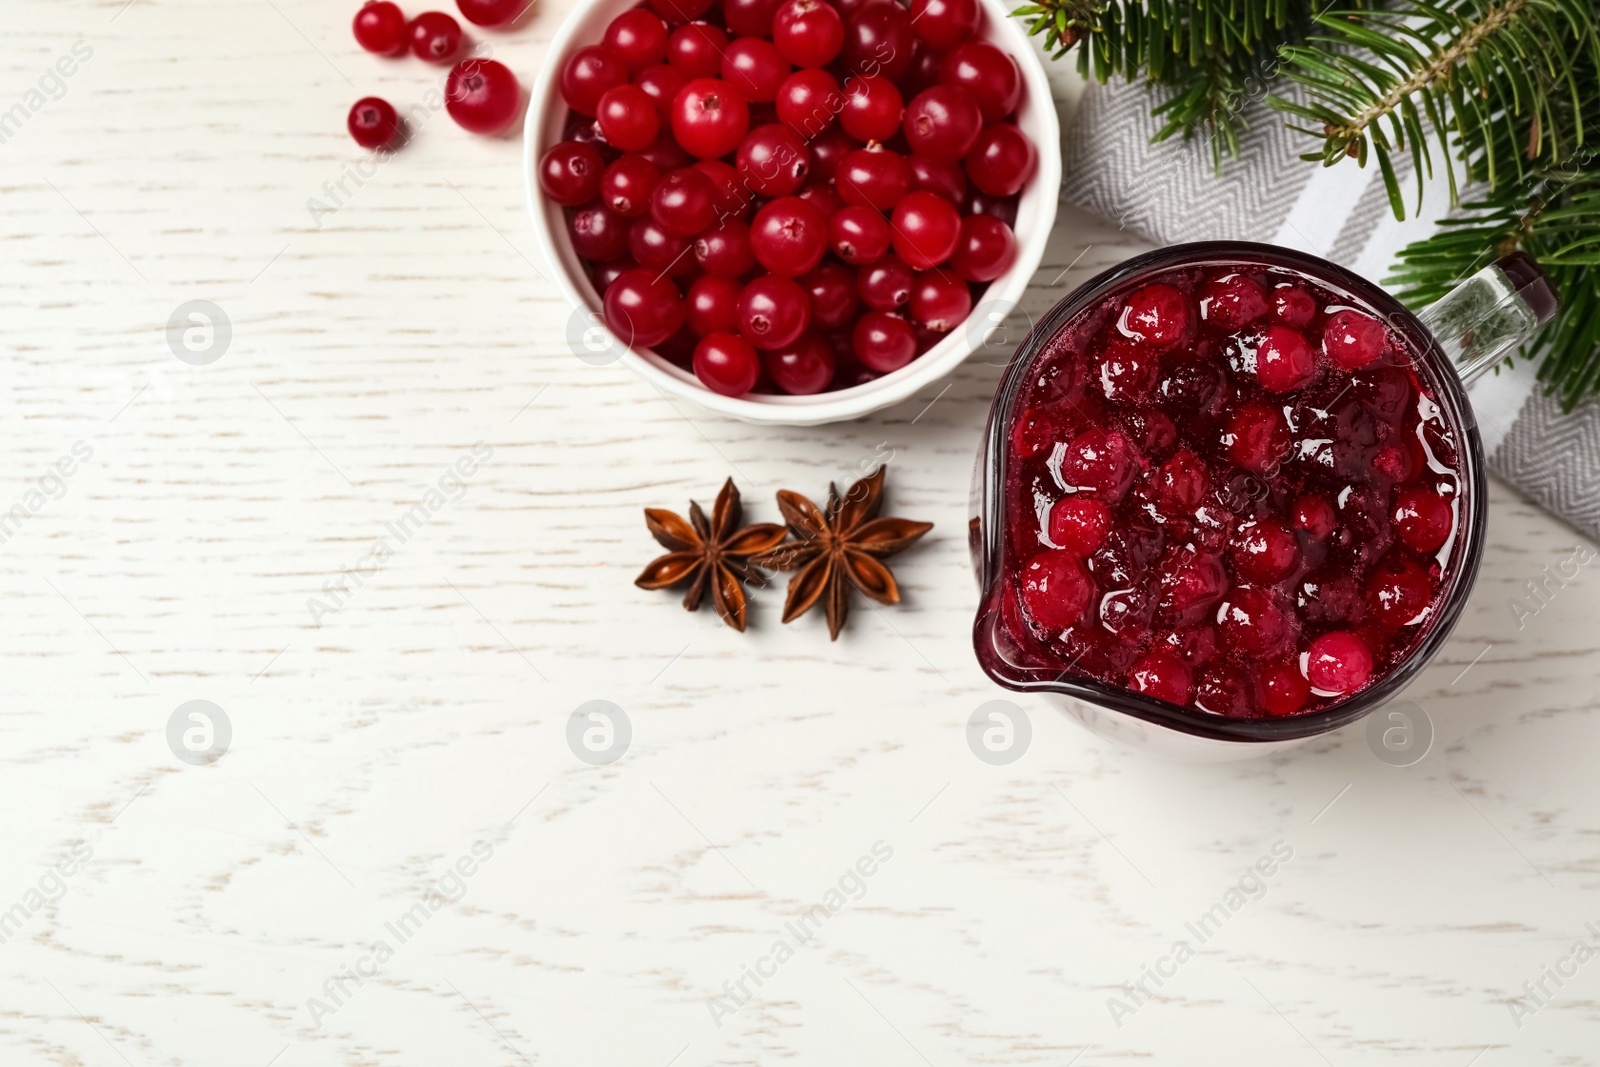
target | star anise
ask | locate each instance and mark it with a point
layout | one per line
(714, 553)
(839, 548)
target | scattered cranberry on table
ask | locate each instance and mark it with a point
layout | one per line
(1229, 486)
(435, 37)
(483, 96)
(492, 12)
(380, 27)
(816, 191)
(374, 123)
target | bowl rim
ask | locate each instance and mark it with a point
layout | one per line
(856, 401)
(989, 486)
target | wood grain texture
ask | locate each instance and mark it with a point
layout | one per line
(429, 712)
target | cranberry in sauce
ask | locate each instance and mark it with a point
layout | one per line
(1229, 487)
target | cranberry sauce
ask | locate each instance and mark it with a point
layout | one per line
(1229, 487)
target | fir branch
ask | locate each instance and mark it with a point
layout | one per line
(1206, 58)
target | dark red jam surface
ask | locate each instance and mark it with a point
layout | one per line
(1228, 487)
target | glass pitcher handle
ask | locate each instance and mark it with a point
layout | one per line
(1485, 318)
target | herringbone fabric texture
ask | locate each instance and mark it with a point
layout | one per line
(1169, 193)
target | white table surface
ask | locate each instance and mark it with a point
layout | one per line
(430, 712)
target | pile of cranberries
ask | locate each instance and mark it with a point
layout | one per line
(481, 95)
(1230, 488)
(790, 195)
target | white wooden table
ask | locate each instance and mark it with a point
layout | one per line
(212, 910)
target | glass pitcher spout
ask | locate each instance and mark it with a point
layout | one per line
(1484, 319)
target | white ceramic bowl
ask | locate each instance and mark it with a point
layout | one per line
(1036, 212)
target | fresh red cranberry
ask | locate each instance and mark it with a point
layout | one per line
(1254, 622)
(1233, 302)
(1284, 689)
(1293, 306)
(628, 118)
(587, 76)
(598, 234)
(491, 12)
(570, 173)
(1056, 590)
(1314, 515)
(831, 290)
(712, 305)
(943, 24)
(943, 123)
(808, 100)
(643, 309)
(1338, 663)
(885, 284)
(373, 122)
(858, 234)
(926, 228)
(1257, 438)
(483, 96)
(638, 37)
(1223, 690)
(985, 249)
(755, 67)
(726, 363)
(809, 33)
(1192, 583)
(435, 37)
(773, 312)
(1423, 519)
(1284, 361)
(789, 236)
(803, 368)
(1352, 340)
(750, 18)
(940, 301)
(878, 40)
(1155, 315)
(992, 77)
(874, 176)
(660, 251)
(696, 49)
(1002, 160)
(1398, 591)
(710, 118)
(773, 160)
(724, 249)
(941, 179)
(872, 110)
(680, 11)
(683, 203)
(661, 84)
(1264, 550)
(1079, 524)
(883, 342)
(381, 27)
(1103, 462)
(627, 184)
(733, 199)
(1181, 483)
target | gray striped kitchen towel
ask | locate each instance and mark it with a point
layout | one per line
(1170, 193)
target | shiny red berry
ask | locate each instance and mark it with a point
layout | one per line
(483, 96)
(727, 364)
(373, 123)
(435, 37)
(569, 173)
(642, 308)
(638, 37)
(380, 27)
